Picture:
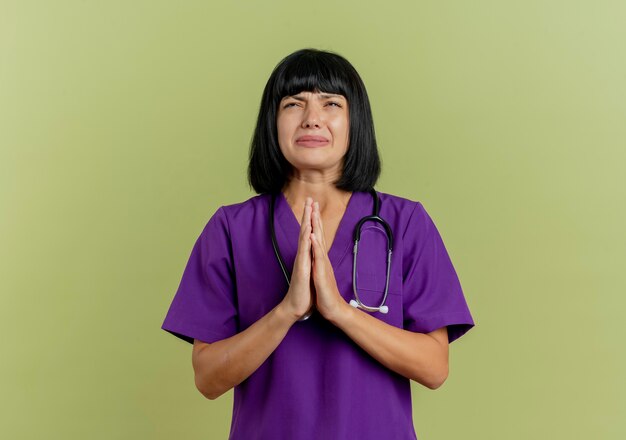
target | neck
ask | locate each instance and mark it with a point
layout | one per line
(325, 193)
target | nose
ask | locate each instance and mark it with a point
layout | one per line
(312, 118)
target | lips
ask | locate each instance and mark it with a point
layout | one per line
(312, 138)
(311, 141)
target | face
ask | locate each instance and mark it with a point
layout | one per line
(313, 130)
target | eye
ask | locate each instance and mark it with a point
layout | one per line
(289, 104)
(334, 103)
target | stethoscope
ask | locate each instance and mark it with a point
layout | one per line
(356, 302)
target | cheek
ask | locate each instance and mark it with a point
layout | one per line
(283, 132)
(341, 131)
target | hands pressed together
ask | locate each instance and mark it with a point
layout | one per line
(313, 283)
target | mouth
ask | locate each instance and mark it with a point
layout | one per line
(312, 141)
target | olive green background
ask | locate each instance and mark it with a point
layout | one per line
(124, 125)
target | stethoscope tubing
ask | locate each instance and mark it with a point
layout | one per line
(357, 303)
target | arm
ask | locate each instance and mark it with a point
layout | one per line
(422, 357)
(220, 366)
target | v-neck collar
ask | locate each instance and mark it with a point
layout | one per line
(286, 221)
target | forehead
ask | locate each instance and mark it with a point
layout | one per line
(318, 95)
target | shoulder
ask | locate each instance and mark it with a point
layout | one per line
(411, 216)
(398, 202)
(399, 205)
(231, 215)
(247, 209)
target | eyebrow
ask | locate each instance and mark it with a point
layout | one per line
(319, 96)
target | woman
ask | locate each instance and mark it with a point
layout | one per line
(345, 371)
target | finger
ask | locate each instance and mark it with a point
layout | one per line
(303, 254)
(318, 256)
(308, 206)
(315, 245)
(306, 218)
(321, 226)
(306, 244)
(308, 211)
(317, 226)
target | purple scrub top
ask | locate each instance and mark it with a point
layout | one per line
(318, 383)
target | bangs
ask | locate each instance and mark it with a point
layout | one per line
(311, 74)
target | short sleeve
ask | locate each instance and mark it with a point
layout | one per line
(432, 294)
(204, 306)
